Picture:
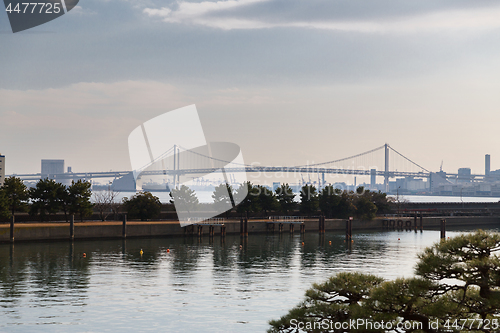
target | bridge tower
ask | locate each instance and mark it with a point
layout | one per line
(386, 169)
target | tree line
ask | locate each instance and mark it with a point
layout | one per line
(329, 201)
(46, 199)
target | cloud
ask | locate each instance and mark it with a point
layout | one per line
(88, 104)
(340, 16)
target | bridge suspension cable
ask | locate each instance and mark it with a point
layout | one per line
(342, 159)
(406, 158)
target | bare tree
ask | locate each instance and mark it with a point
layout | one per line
(105, 203)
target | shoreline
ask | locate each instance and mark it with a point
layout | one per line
(60, 231)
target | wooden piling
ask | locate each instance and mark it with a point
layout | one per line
(223, 230)
(302, 228)
(72, 227)
(292, 228)
(415, 221)
(408, 225)
(321, 224)
(443, 229)
(124, 226)
(421, 222)
(348, 230)
(242, 230)
(12, 220)
(200, 230)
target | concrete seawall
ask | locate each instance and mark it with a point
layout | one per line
(93, 230)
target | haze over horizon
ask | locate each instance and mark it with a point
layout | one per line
(290, 82)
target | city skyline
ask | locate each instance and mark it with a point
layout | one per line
(290, 83)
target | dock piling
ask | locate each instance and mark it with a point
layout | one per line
(348, 230)
(321, 224)
(72, 227)
(124, 226)
(12, 220)
(443, 229)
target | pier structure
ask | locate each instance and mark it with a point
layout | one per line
(280, 221)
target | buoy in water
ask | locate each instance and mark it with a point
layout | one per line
(168, 250)
(330, 242)
(84, 255)
(399, 238)
(302, 243)
(141, 252)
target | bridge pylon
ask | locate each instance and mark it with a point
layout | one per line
(386, 169)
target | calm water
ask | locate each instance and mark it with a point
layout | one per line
(196, 287)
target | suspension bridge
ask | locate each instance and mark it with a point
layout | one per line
(177, 163)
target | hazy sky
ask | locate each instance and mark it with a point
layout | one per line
(290, 81)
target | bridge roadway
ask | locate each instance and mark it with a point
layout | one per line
(253, 169)
(261, 169)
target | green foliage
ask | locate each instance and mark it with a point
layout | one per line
(329, 200)
(339, 299)
(456, 280)
(266, 200)
(16, 194)
(4, 206)
(249, 202)
(308, 200)
(79, 194)
(223, 198)
(467, 264)
(380, 200)
(47, 198)
(143, 205)
(335, 203)
(185, 199)
(286, 198)
(365, 209)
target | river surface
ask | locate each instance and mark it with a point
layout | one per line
(184, 284)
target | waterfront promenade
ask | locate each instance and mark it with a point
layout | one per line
(109, 230)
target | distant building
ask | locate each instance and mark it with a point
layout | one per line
(52, 167)
(373, 178)
(487, 165)
(464, 175)
(437, 179)
(2, 169)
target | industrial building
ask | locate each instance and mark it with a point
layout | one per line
(51, 168)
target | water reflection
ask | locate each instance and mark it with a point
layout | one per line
(185, 283)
